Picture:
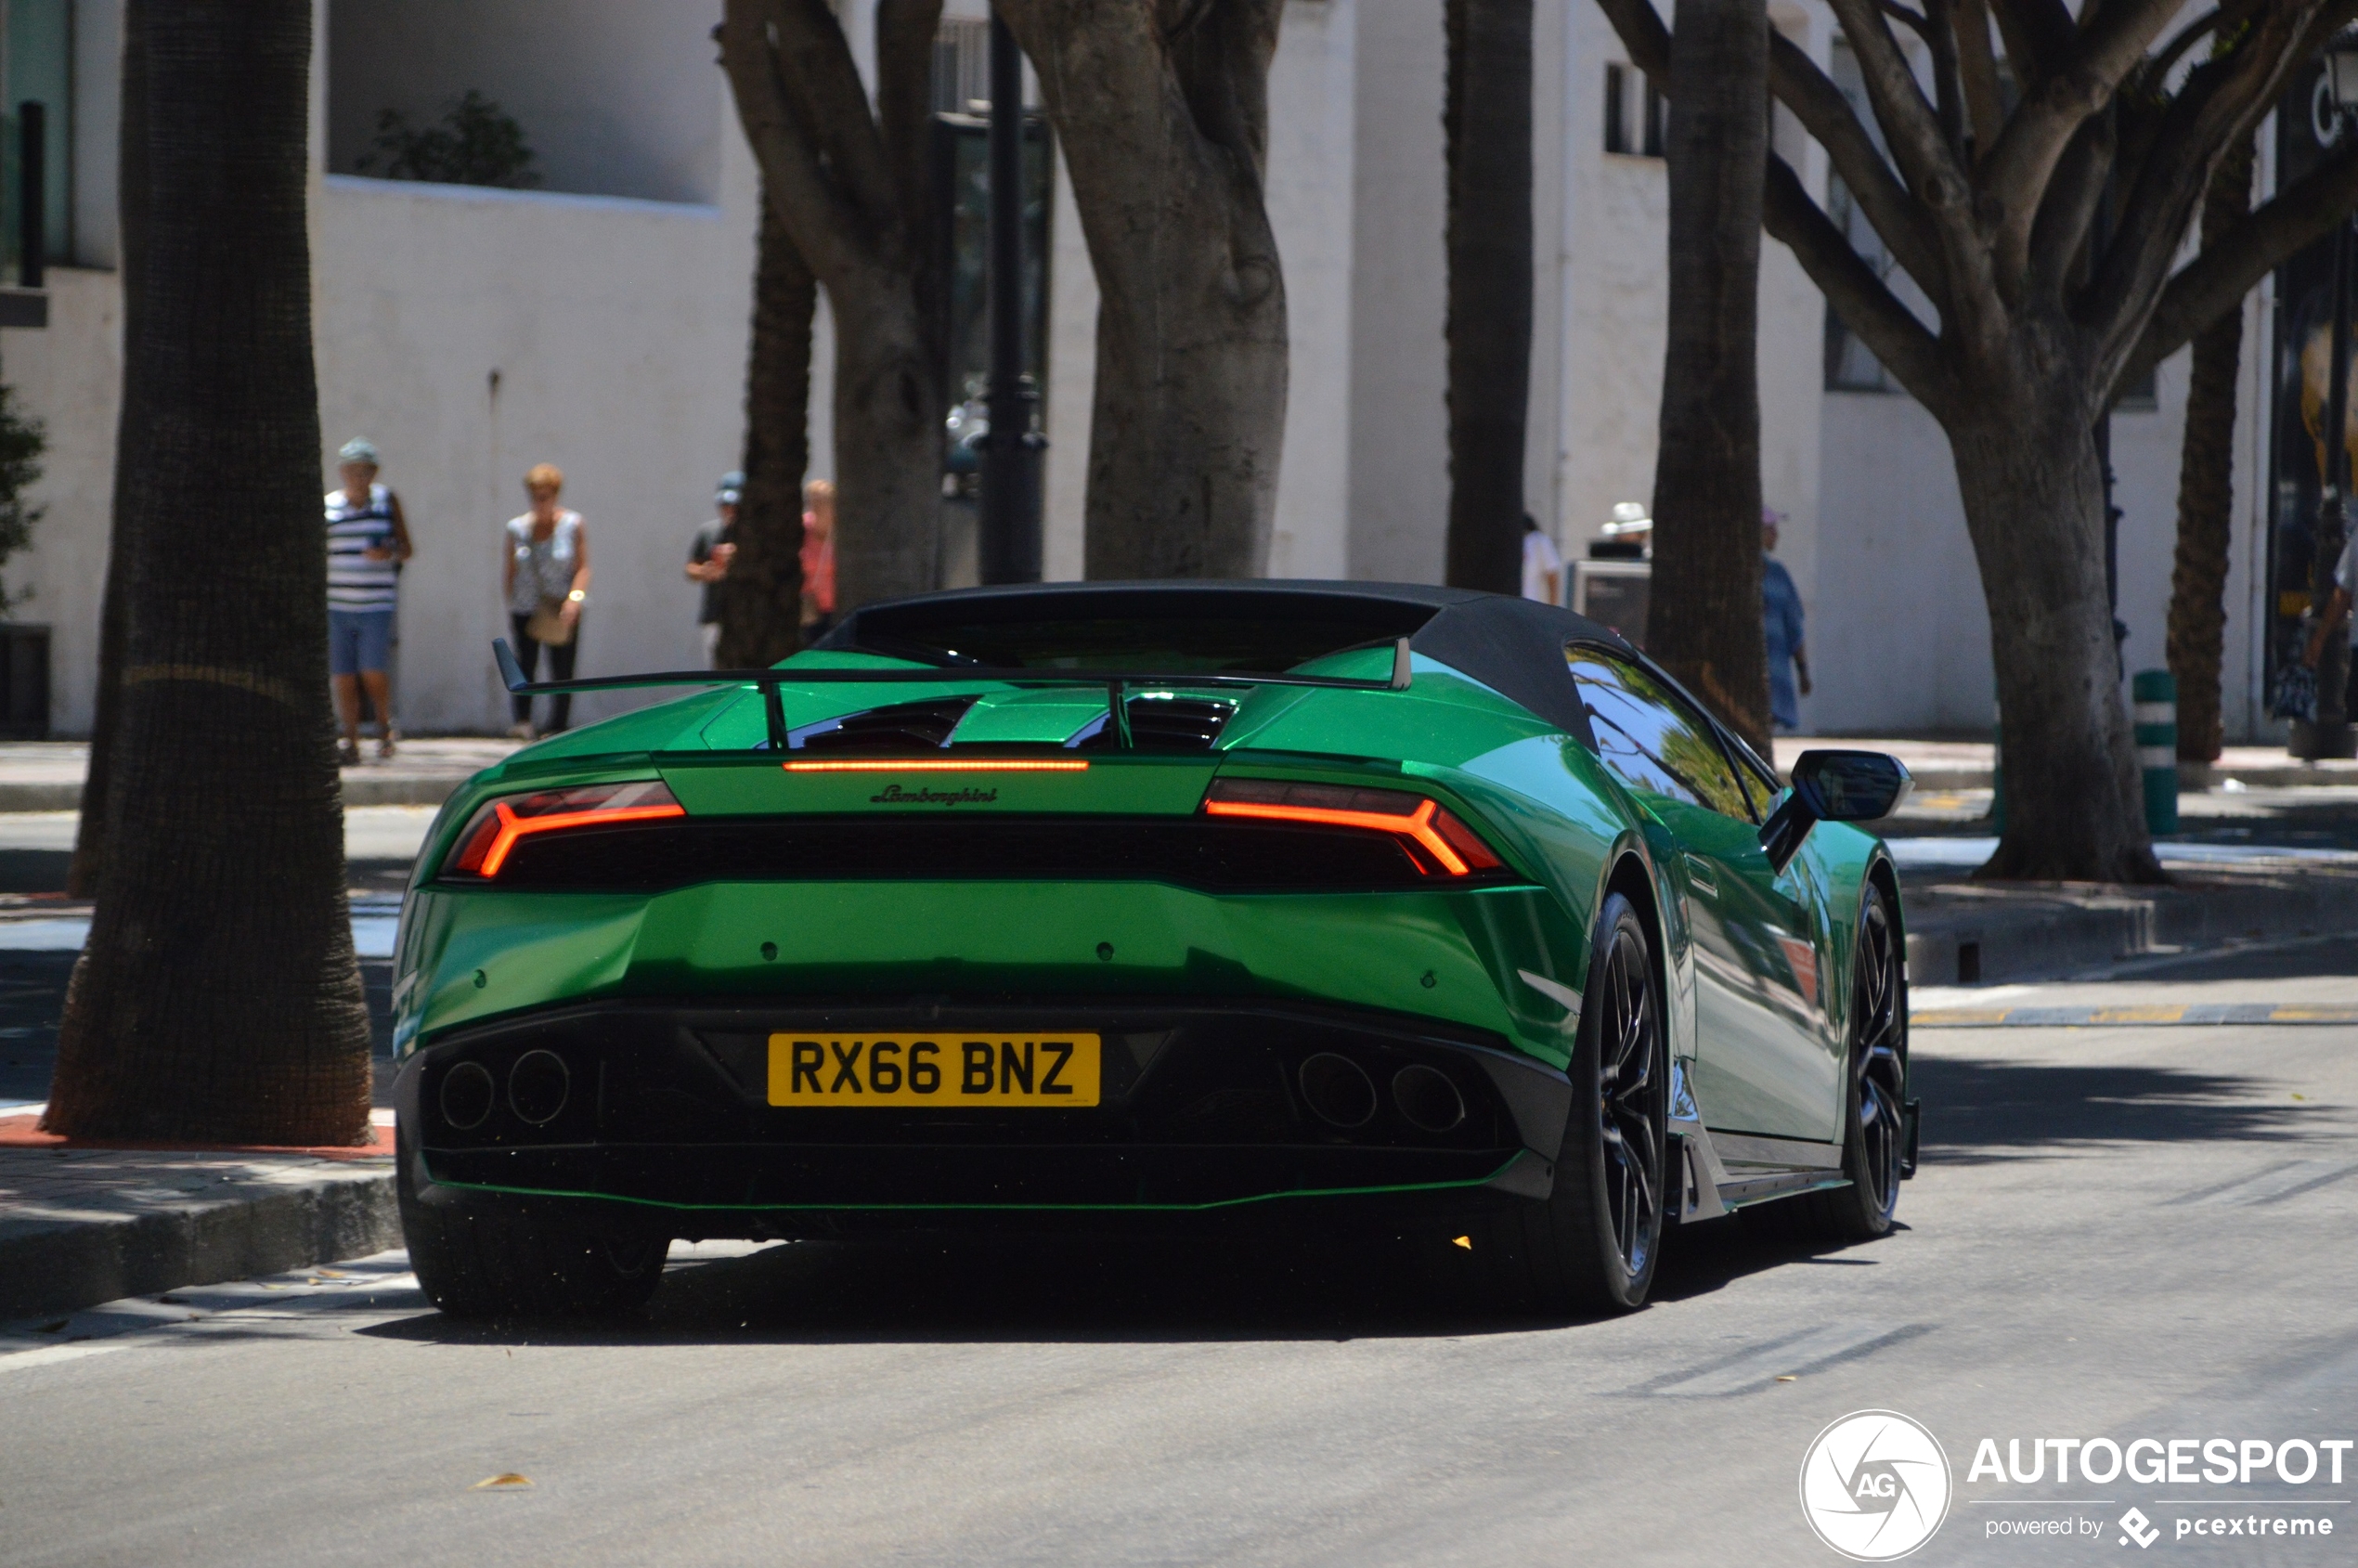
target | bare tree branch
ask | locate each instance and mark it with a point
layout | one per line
(1866, 305)
(1985, 105)
(1908, 122)
(815, 60)
(2222, 98)
(2073, 196)
(1641, 32)
(2016, 170)
(2216, 281)
(905, 31)
(824, 228)
(2037, 33)
(1947, 85)
(1794, 78)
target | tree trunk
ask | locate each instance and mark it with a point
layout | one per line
(1487, 133)
(131, 184)
(850, 190)
(762, 597)
(1704, 620)
(218, 998)
(889, 410)
(2034, 505)
(2207, 488)
(1163, 122)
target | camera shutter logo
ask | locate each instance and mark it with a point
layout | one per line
(1874, 1485)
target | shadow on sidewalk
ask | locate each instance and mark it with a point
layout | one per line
(1977, 1110)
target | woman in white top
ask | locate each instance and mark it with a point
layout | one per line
(545, 576)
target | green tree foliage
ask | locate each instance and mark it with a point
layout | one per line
(22, 444)
(477, 143)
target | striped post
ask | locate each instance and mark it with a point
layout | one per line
(2154, 694)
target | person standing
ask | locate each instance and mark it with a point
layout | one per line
(368, 540)
(1780, 610)
(545, 576)
(708, 558)
(818, 559)
(1543, 565)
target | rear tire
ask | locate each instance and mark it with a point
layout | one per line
(494, 1262)
(1872, 1135)
(1590, 1247)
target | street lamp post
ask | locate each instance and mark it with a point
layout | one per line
(2330, 734)
(1010, 522)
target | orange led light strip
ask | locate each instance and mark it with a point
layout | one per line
(1418, 824)
(513, 827)
(925, 764)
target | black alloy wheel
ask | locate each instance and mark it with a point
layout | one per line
(1590, 1245)
(1628, 1101)
(1874, 1130)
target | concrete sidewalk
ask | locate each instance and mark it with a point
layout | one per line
(47, 775)
(81, 1225)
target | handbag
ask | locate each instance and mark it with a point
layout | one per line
(2294, 694)
(547, 626)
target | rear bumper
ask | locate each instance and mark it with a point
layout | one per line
(666, 1113)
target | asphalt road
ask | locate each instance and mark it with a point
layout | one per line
(2118, 1233)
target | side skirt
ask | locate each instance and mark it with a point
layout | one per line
(1718, 1172)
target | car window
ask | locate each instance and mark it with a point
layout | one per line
(1650, 739)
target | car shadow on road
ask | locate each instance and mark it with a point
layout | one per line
(1983, 1109)
(1194, 1287)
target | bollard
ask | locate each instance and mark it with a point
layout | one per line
(2154, 694)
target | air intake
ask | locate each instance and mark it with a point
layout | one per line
(900, 727)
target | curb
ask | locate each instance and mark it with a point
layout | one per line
(1960, 935)
(66, 1265)
(1934, 777)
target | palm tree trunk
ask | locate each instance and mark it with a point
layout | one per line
(131, 184)
(1486, 122)
(1704, 620)
(2207, 490)
(762, 597)
(218, 998)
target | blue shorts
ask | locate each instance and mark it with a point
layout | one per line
(359, 640)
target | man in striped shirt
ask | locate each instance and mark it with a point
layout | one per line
(368, 540)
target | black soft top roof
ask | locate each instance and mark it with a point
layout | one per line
(1513, 646)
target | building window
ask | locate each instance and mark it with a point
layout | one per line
(962, 67)
(39, 42)
(1654, 111)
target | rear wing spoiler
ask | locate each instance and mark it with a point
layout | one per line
(1115, 682)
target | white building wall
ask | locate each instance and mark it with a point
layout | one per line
(1398, 495)
(1311, 198)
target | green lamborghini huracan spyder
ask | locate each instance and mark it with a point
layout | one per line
(1103, 902)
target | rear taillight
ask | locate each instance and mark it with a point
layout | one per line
(1434, 840)
(484, 847)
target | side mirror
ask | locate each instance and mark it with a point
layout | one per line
(1832, 786)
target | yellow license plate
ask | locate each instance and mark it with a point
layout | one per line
(933, 1071)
